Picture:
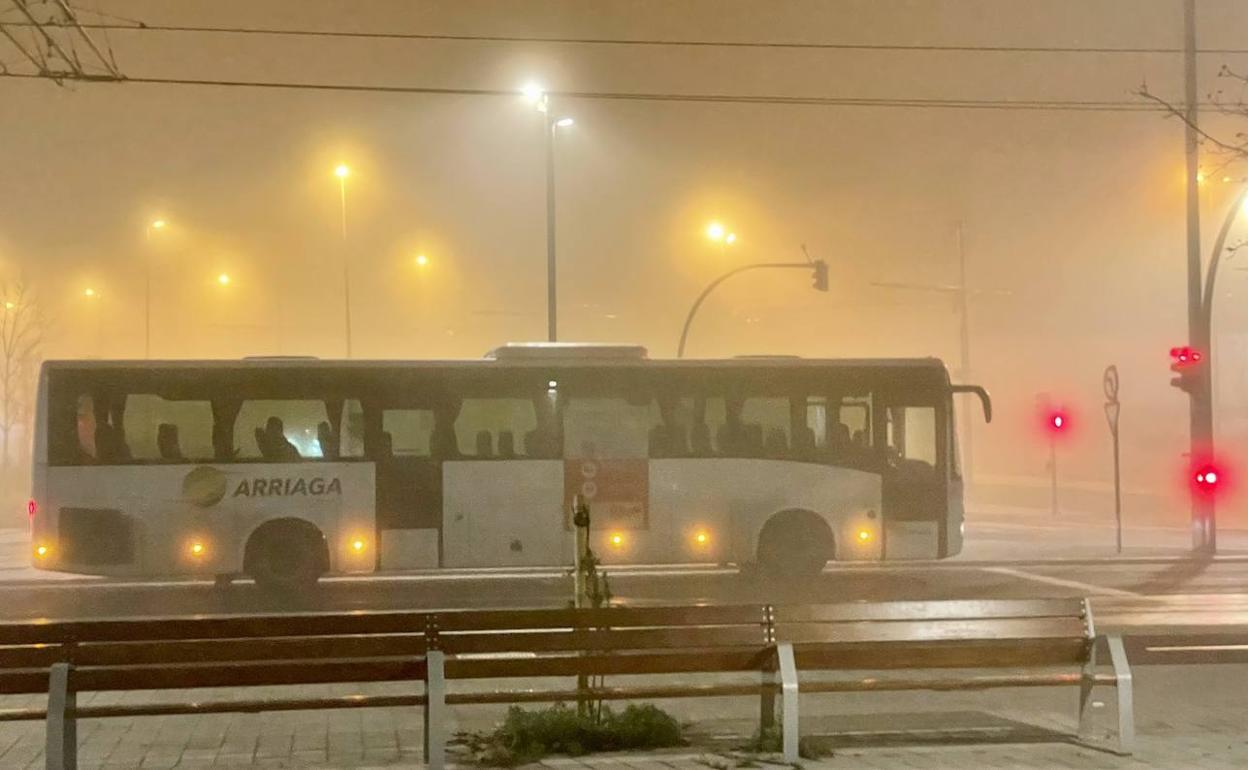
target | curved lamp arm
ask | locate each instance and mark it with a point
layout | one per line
(684, 332)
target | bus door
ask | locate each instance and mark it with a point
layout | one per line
(915, 488)
(401, 440)
(503, 479)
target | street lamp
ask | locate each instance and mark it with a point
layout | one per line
(223, 279)
(156, 225)
(717, 233)
(421, 260)
(541, 101)
(342, 171)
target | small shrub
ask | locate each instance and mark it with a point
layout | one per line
(527, 736)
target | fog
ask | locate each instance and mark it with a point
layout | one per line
(1072, 220)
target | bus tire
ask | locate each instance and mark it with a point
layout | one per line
(286, 556)
(795, 545)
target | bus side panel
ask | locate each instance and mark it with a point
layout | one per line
(143, 519)
(729, 500)
(504, 514)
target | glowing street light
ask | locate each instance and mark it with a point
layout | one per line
(223, 279)
(89, 293)
(715, 231)
(9, 305)
(564, 122)
(342, 171)
(421, 260)
(534, 92)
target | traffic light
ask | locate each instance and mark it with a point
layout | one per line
(1057, 421)
(1206, 478)
(1188, 363)
(821, 275)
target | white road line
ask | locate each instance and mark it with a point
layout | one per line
(1087, 587)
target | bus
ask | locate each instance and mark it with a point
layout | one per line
(287, 469)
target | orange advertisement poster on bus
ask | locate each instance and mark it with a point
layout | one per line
(616, 489)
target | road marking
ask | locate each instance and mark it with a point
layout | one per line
(1086, 587)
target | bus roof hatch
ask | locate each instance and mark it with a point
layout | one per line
(529, 351)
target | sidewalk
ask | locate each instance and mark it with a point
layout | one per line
(1187, 717)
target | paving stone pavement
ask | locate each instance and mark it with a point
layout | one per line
(1191, 717)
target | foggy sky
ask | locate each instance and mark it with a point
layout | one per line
(1073, 221)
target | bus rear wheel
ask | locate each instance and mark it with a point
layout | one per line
(795, 545)
(286, 556)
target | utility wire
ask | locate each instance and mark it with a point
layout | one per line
(140, 26)
(1053, 105)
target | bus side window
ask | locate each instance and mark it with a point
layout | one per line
(410, 431)
(912, 436)
(766, 422)
(279, 430)
(484, 426)
(160, 430)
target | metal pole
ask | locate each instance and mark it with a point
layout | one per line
(552, 322)
(346, 267)
(1053, 475)
(147, 307)
(1204, 529)
(968, 445)
(1112, 409)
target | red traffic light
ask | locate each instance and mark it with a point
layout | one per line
(1207, 478)
(1057, 421)
(1183, 357)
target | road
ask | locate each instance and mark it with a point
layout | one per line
(1150, 588)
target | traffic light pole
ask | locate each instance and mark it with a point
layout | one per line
(819, 267)
(1204, 527)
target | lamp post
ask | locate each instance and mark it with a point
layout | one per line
(342, 171)
(1204, 526)
(156, 225)
(541, 100)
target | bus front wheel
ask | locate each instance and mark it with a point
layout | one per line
(286, 556)
(795, 545)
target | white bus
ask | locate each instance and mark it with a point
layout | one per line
(288, 469)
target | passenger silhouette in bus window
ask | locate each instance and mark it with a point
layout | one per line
(273, 442)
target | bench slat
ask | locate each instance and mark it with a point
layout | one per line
(381, 622)
(616, 617)
(867, 656)
(933, 630)
(930, 610)
(268, 673)
(603, 640)
(682, 662)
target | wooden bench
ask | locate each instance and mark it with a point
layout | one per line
(67, 658)
(1023, 643)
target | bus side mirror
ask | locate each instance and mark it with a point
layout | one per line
(978, 390)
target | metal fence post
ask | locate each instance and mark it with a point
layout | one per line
(61, 752)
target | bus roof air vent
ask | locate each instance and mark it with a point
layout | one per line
(563, 351)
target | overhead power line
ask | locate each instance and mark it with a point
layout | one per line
(140, 26)
(1042, 105)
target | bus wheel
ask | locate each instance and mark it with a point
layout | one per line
(286, 556)
(795, 545)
